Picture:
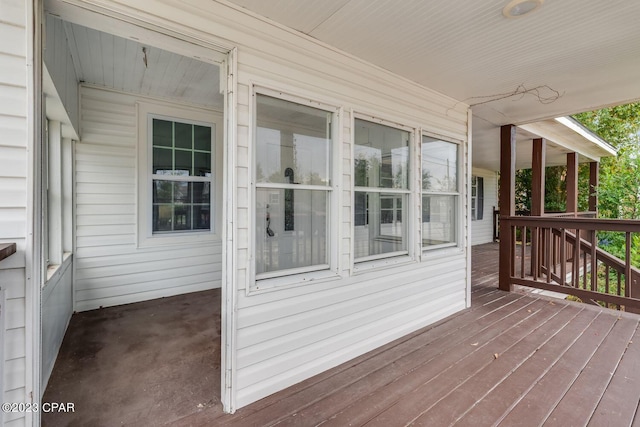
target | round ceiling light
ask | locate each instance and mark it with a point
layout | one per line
(518, 8)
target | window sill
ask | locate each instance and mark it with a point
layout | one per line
(441, 251)
(54, 271)
(294, 280)
(377, 264)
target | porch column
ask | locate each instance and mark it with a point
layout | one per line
(572, 182)
(537, 199)
(537, 179)
(507, 201)
(594, 172)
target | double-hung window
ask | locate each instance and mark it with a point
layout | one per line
(381, 170)
(477, 198)
(440, 193)
(293, 187)
(181, 175)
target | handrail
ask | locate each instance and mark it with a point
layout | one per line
(6, 250)
(592, 224)
(585, 214)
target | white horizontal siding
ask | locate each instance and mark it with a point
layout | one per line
(110, 267)
(284, 341)
(13, 200)
(287, 335)
(482, 230)
(57, 308)
(334, 320)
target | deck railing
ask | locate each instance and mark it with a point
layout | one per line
(545, 254)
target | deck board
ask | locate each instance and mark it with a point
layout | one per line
(589, 387)
(509, 375)
(431, 361)
(614, 408)
(425, 404)
(523, 399)
(558, 362)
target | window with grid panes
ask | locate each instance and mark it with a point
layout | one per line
(181, 176)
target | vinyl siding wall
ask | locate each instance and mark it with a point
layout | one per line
(13, 200)
(57, 308)
(482, 230)
(283, 335)
(287, 334)
(111, 268)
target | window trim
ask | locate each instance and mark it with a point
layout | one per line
(283, 279)
(459, 199)
(147, 111)
(372, 262)
(473, 208)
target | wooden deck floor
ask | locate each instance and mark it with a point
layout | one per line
(512, 359)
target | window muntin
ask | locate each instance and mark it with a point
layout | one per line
(293, 187)
(381, 171)
(440, 194)
(181, 175)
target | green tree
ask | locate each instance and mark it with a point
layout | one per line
(618, 192)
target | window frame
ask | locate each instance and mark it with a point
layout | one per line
(460, 201)
(473, 189)
(286, 278)
(178, 178)
(147, 111)
(366, 263)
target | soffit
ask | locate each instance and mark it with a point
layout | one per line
(127, 65)
(586, 51)
(569, 56)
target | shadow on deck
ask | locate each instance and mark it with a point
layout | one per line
(511, 359)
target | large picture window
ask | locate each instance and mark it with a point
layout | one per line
(181, 175)
(293, 187)
(440, 194)
(381, 170)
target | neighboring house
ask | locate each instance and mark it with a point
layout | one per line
(160, 148)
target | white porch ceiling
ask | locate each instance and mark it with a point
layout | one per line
(118, 63)
(587, 52)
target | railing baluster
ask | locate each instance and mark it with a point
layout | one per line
(554, 248)
(548, 237)
(535, 253)
(619, 282)
(575, 266)
(513, 251)
(607, 290)
(584, 268)
(627, 265)
(523, 249)
(594, 261)
(563, 256)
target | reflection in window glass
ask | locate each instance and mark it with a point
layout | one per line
(438, 220)
(305, 245)
(381, 156)
(439, 165)
(382, 231)
(439, 192)
(381, 161)
(182, 178)
(293, 136)
(293, 147)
